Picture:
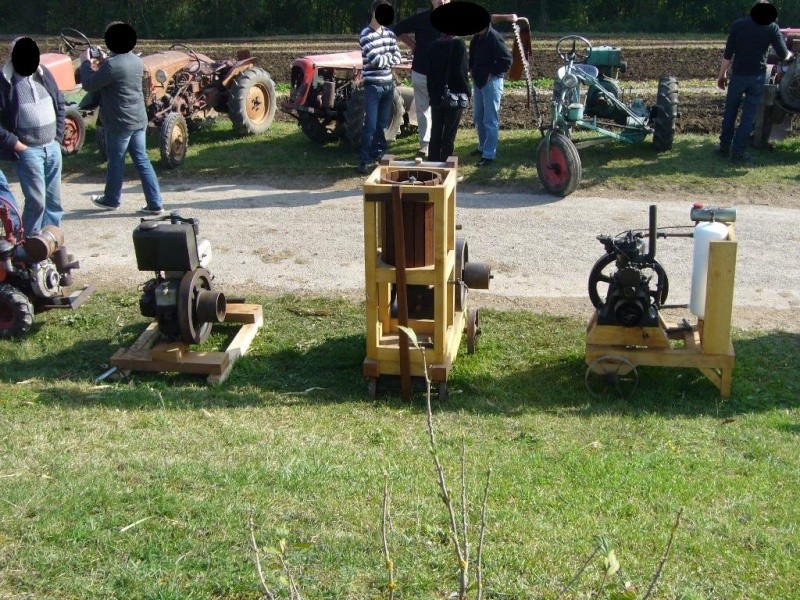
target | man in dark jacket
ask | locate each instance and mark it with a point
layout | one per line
(118, 79)
(746, 49)
(31, 129)
(489, 59)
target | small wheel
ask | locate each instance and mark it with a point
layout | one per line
(477, 275)
(372, 387)
(173, 138)
(473, 330)
(569, 52)
(611, 372)
(192, 328)
(443, 391)
(74, 132)
(598, 275)
(16, 312)
(560, 170)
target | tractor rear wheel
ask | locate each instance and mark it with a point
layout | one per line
(74, 132)
(666, 113)
(251, 101)
(317, 130)
(560, 172)
(173, 140)
(354, 117)
(16, 312)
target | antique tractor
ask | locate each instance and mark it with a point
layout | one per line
(782, 95)
(327, 99)
(600, 110)
(184, 89)
(33, 273)
(180, 296)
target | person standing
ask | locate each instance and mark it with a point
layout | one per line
(489, 59)
(744, 72)
(118, 79)
(424, 36)
(448, 83)
(31, 130)
(379, 54)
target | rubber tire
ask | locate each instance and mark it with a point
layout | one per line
(606, 260)
(16, 312)
(316, 131)
(354, 118)
(569, 162)
(171, 157)
(237, 101)
(666, 113)
(73, 121)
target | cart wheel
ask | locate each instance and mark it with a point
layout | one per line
(560, 170)
(443, 391)
(611, 372)
(473, 330)
(372, 388)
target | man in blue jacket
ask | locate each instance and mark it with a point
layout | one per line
(32, 117)
(746, 49)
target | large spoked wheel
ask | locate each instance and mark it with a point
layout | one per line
(666, 113)
(74, 132)
(192, 328)
(354, 117)
(559, 169)
(574, 48)
(251, 104)
(603, 269)
(611, 373)
(318, 129)
(16, 312)
(173, 140)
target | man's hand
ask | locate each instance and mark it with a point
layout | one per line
(19, 147)
(789, 57)
(722, 82)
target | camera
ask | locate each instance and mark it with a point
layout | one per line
(95, 52)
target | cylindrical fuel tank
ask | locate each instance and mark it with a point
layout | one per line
(704, 234)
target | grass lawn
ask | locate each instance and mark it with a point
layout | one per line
(143, 488)
(286, 158)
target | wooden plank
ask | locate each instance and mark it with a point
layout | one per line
(719, 296)
(244, 313)
(666, 357)
(371, 289)
(615, 335)
(169, 351)
(195, 363)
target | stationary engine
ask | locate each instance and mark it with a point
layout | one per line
(180, 296)
(637, 283)
(33, 273)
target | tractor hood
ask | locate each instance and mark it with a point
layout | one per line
(338, 60)
(170, 61)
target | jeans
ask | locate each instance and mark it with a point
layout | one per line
(117, 143)
(39, 172)
(422, 103)
(752, 88)
(378, 102)
(443, 132)
(486, 114)
(5, 193)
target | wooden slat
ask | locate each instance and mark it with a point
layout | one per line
(719, 296)
(653, 337)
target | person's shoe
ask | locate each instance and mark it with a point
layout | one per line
(485, 162)
(97, 200)
(361, 169)
(146, 210)
(423, 154)
(476, 152)
(724, 151)
(743, 160)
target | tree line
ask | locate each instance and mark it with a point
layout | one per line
(177, 19)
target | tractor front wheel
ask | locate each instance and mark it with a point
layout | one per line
(666, 113)
(354, 117)
(317, 129)
(16, 312)
(74, 132)
(173, 140)
(560, 169)
(251, 101)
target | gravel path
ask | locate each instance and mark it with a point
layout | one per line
(268, 240)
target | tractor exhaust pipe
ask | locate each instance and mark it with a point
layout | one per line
(651, 253)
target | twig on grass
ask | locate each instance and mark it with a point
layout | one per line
(479, 567)
(267, 594)
(391, 586)
(580, 572)
(134, 524)
(657, 574)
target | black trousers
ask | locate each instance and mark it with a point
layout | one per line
(444, 125)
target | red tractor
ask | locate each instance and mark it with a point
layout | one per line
(782, 95)
(327, 99)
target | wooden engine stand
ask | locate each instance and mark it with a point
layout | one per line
(614, 350)
(420, 219)
(149, 354)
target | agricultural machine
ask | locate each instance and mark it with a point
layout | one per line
(327, 99)
(600, 110)
(33, 273)
(782, 95)
(184, 89)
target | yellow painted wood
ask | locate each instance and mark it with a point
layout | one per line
(652, 337)
(719, 296)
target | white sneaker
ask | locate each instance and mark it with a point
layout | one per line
(97, 200)
(150, 211)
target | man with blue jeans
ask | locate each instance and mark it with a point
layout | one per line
(746, 49)
(32, 125)
(118, 79)
(489, 59)
(379, 52)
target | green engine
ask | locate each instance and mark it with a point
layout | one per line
(609, 63)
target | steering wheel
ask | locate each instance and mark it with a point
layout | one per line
(73, 38)
(571, 54)
(191, 53)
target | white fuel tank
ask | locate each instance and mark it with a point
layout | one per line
(704, 234)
